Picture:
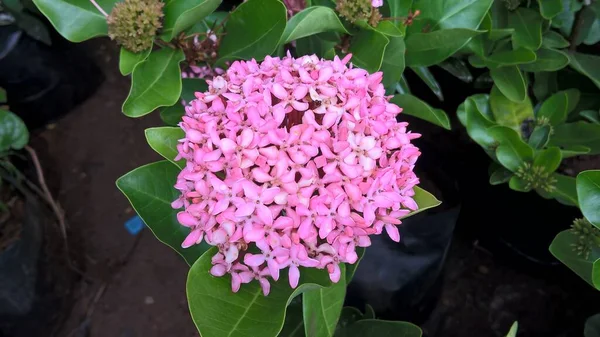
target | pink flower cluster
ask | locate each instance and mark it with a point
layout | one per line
(293, 163)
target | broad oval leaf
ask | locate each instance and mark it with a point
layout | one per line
(322, 307)
(424, 200)
(512, 151)
(450, 14)
(588, 193)
(218, 312)
(587, 65)
(518, 184)
(552, 39)
(587, 268)
(510, 82)
(399, 9)
(507, 112)
(172, 115)
(510, 58)
(150, 191)
(183, 14)
(550, 8)
(426, 49)
(310, 21)
(413, 106)
(500, 176)
(539, 137)
(547, 60)
(128, 60)
(389, 29)
(76, 20)
(554, 109)
(368, 49)
(457, 68)
(574, 150)
(527, 24)
(477, 123)
(427, 77)
(392, 65)
(13, 132)
(156, 82)
(565, 190)
(164, 141)
(253, 30)
(577, 134)
(549, 159)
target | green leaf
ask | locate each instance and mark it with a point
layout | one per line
(552, 39)
(150, 191)
(164, 141)
(189, 87)
(499, 34)
(156, 82)
(217, 311)
(555, 108)
(399, 9)
(591, 115)
(172, 115)
(128, 60)
(369, 312)
(348, 317)
(2, 95)
(549, 159)
(322, 307)
(368, 48)
(310, 21)
(539, 137)
(512, 151)
(449, 14)
(76, 20)
(426, 49)
(514, 328)
(565, 190)
(587, 65)
(520, 185)
(527, 24)
(510, 58)
(477, 124)
(507, 112)
(211, 21)
(34, 27)
(402, 86)
(510, 82)
(544, 84)
(547, 60)
(413, 106)
(253, 30)
(574, 150)
(500, 176)
(380, 328)
(457, 68)
(578, 133)
(13, 132)
(319, 44)
(427, 77)
(424, 200)
(389, 29)
(592, 326)
(587, 268)
(588, 193)
(183, 14)
(392, 65)
(550, 8)
(293, 326)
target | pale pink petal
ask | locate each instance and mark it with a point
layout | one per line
(245, 209)
(279, 91)
(392, 231)
(254, 260)
(294, 276)
(265, 285)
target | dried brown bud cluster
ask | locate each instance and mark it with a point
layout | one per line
(134, 23)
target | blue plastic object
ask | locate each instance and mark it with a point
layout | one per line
(134, 225)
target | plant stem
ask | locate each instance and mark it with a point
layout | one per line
(576, 30)
(99, 8)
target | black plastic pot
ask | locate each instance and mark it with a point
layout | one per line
(44, 82)
(401, 281)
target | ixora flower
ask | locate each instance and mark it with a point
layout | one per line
(293, 163)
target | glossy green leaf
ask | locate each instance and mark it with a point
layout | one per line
(426, 49)
(310, 21)
(539, 137)
(587, 268)
(500, 176)
(549, 159)
(577, 134)
(448, 14)
(527, 24)
(380, 328)
(368, 48)
(520, 185)
(253, 30)
(476, 61)
(413, 106)
(399, 9)
(514, 328)
(510, 58)
(507, 112)
(498, 34)
(156, 82)
(574, 150)
(172, 115)
(550, 8)
(294, 323)
(388, 28)
(402, 86)
(183, 14)
(592, 326)
(427, 77)
(164, 141)
(588, 192)
(128, 60)
(587, 65)
(150, 191)
(13, 132)
(477, 123)
(547, 60)
(392, 65)
(319, 44)
(591, 115)
(554, 109)
(189, 86)
(510, 81)
(544, 85)
(76, 20)
(512, 151)
(217, 311)
(322, 307)
(457, 68)
(552, 39)
(565, 190)
(424, 200)
(573, 97)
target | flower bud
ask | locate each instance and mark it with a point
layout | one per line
(134, 23)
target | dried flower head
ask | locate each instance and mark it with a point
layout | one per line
(293, 163)
(134, 23)
(355, 10)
